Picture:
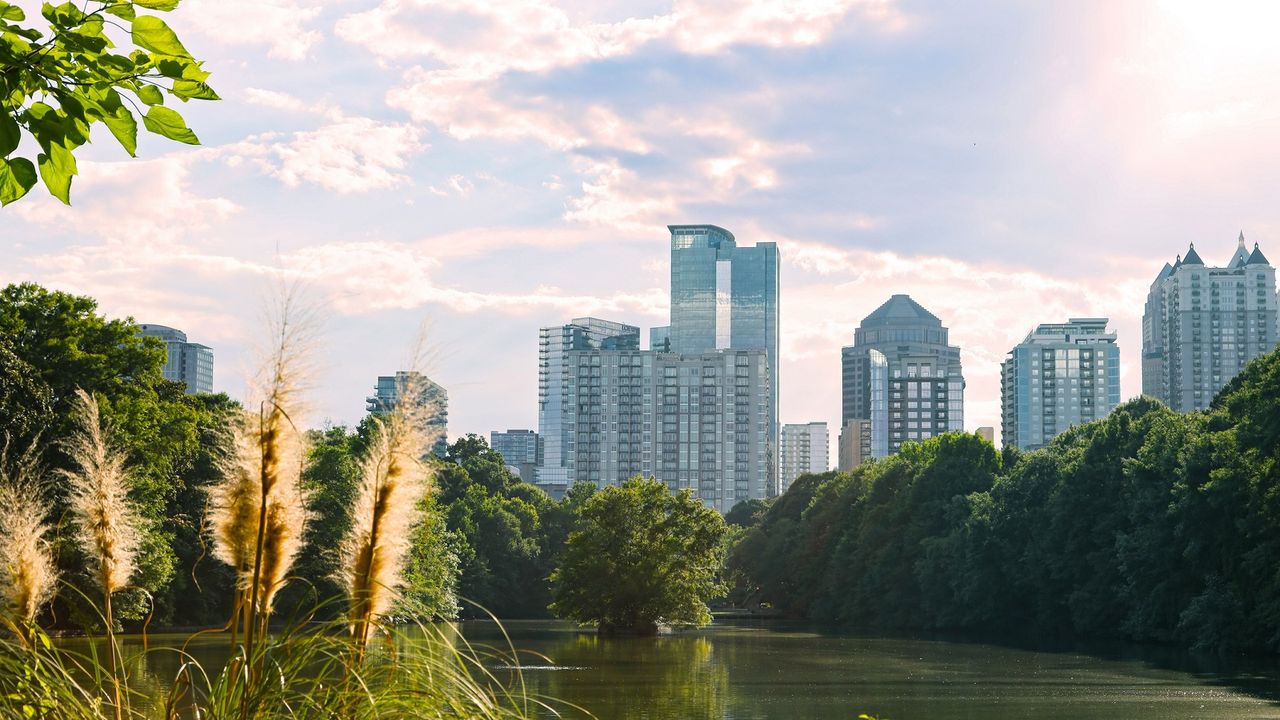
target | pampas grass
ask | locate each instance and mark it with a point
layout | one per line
(27, 571)
(394, 479)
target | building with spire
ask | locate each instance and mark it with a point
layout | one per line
(903, 376)
(1201, 325)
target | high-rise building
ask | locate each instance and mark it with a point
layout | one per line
(432, 399)
(903, 376)
(803, 449)
(1202, 324)
(697, 421)
(519, 448)
(855, 444)
(724, 297)
(1062, 374)
(554, 345)
(188, 363)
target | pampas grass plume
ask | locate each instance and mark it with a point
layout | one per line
(106, 523)
(27, 572)
(394, 479)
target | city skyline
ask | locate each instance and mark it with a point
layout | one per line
(520, 173)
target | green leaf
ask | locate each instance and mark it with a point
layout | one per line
(163, 121)
(194, 90)
(124, 127)
(150, 94)
(123, 10)
(11, 12)
(10, 134)
(56, 169)
(17, 176)
(161, 5)
(181, 69)
(153, 34)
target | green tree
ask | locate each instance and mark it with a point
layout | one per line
(58, 80)
(641, 558)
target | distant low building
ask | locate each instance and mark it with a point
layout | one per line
(188, 363)
(988, 433)
(855, 444)
(519, 448)
(803, 449)
(431, 396)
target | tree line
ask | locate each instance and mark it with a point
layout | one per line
(1148, 525)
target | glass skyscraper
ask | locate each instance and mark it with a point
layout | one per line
(903, 376)
(1062, 374)
(188, 363)
(724, 297)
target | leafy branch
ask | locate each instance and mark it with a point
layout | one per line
(57, 82)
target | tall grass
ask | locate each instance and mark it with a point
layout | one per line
(357, 666)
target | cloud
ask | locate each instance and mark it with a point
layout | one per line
(346, 155)
(145, 202)
(280, 25)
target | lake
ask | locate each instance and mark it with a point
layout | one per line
(742, 671)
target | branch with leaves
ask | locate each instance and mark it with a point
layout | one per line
(57, 82)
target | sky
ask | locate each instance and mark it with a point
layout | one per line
(488, 167)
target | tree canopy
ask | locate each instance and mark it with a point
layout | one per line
(640, 558)
(60, 79)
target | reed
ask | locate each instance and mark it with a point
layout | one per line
(395, 477)
(27, 571)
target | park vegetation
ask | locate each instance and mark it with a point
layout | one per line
(1148, 525)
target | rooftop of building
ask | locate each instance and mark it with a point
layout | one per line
(901, 308)
(1239, 259)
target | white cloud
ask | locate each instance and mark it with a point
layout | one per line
(346, 155)
(283, 26)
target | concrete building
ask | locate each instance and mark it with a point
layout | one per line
(519, 448)
(188, 363)
(694, 421)
(1201, 325)
(554, 347)
(1062, 374)
(903, 376)
(802, 449)
(433, 399)
(855, 444)
(986, 432)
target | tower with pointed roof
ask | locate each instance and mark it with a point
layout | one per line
(1202, 324)
(902, 375)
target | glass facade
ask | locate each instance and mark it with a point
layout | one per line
(431, 398)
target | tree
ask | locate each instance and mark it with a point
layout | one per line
(641, 558)
(75, 64)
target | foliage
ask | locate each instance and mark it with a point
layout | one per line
(1147, 525)
(640, 558)
(58, 80)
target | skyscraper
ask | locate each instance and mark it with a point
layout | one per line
(725, 297)
(554, 345)
(697, 422)
(188, 363)
(519, 448)
(1201, 325)
(802, 449)
(1062, 374)
(903, 376)
(432, 398)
